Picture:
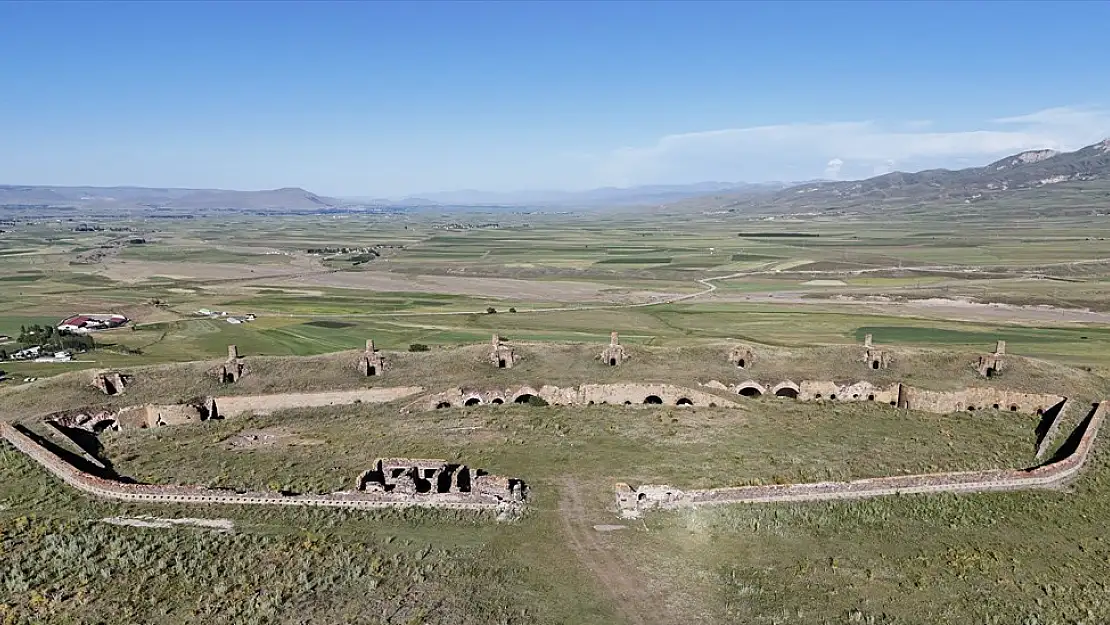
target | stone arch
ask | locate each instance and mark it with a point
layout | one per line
(523, 398)
(653, 400)
(684, 401)
(443, 404)
(786, 389)
(472, 401)
(497, 400)
(751, 388)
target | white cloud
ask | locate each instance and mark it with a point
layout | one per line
(845, 149)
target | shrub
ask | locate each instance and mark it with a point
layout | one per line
(491, 310)
(512, 310)
(418, 347)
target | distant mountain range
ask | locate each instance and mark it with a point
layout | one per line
(1026, 170)
(1034, 169)
(605, 196)
(180, 199)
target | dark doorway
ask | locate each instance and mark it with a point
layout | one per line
(443, 404)
(684, 401)
(473, 401)
(612, 362)
(497, 400)
(653, 399)
(990, 372)
(787, 392)
(741, 363)
(501, 363)
(874, 364)
(750, 391)
(523, 398)
(371, 370)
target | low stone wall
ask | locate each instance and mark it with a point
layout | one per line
(111, 489)
(905, 396)
(632, 502)
(233, 405)
(584, 395)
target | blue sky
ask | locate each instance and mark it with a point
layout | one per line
(382, 99)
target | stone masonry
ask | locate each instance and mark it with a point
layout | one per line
(990, 365)
(371, 361)
(742, 356)
(614, 354)
(501, 355)
(233, 368)
(111, 382)
(874, 357)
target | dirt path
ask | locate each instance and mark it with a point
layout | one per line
(629, 595)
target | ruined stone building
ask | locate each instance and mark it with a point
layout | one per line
(233, 368)
(111, 382)
(501, 355)
(990, 365)
(414, 476)
(371, 361)
(874, 357)
(742, 356)
(614, 354)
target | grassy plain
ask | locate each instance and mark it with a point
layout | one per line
(982, 559)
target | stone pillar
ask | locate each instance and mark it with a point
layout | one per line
(232, 352)
(867, 340)
(496, 340)
(370, 346)
(613, 340)
(1000, 348)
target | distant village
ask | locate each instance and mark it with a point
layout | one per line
(39, 343)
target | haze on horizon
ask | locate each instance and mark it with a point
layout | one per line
(392, 99)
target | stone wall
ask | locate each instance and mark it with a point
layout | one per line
(632, 502)
(584, 395)
(485, 498)
(613, 354)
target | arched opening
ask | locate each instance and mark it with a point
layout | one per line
(712, 404)
(227, 377)
(371, 370)
(1040, 412)
(523, 398)
(500, 363)
(443, 404)
(497, 400)
(894, 403)
(874, 364)
(612, 362)
(627, 403)
(786, 391)
(832, 396)
(741, 363)
(971, 408)
(473, 401)
(590, 403)
(817, 396)
(653, 399)
(684, 401)
(855, 396)
(990, 372)
(750, 391)
(109, 388)
(996, 406)
(871, 397)
(1013, 408)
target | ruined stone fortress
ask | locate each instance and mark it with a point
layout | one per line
(401, 482)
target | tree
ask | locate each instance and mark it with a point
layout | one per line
(512, 310)
(491, 310)
(418, 347)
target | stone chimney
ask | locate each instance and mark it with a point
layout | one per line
(232, 352)
(1000, 348)
(370, 346)
(867, 340)
(496, 340)
(613, 339)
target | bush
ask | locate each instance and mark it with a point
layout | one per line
(491, 310)
(418, 347)
(512, 310)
